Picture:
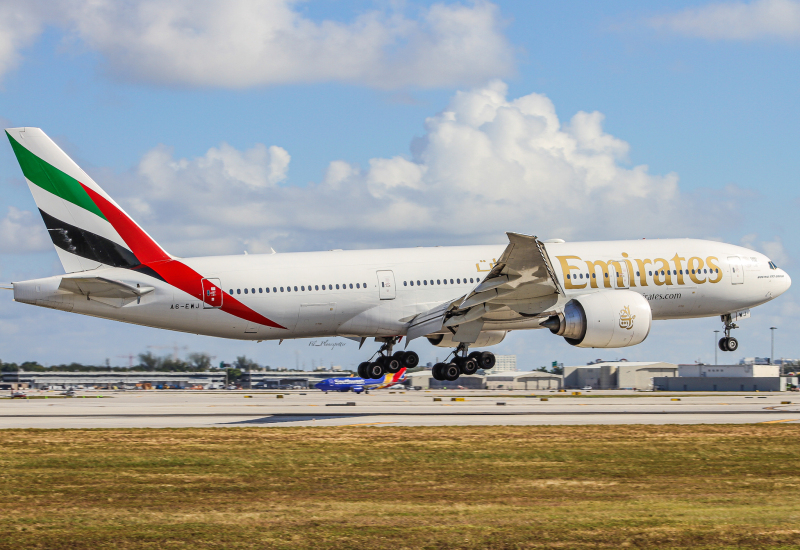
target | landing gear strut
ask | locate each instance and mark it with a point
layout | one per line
(728, 342)
(463, 363)
(388, 362)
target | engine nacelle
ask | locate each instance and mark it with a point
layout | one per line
(606, 319)
(485, 338)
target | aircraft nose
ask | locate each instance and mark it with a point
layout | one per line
(785, 282)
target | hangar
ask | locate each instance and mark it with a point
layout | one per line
(622, 375)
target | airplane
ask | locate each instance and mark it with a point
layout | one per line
(603, 294)
(357, 384)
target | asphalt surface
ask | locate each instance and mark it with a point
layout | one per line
(177, 409)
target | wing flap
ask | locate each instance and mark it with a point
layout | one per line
(521, 281)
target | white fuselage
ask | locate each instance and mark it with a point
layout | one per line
(370, 293)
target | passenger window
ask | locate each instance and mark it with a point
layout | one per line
(351, 285)
(405, 283)
(260, 290)
(295, 289)
(253, 290)
(365, 285)
(594, 275)
(606, 275)
(288, 289)
(231, 292)
(445, 281)
(316, 287)
(267, 289)
(458, 281)
(470, 280)
(274, 289)
(281, 289)
(651, 273)
(438, 281)
(238, 291)
(418, 283)
(425, 282)
(337, 287)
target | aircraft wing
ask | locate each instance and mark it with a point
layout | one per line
(521, 285)
(107, 291)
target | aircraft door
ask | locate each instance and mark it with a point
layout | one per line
(386, 289)
(621, 277)
(212, 294)
(737, 273)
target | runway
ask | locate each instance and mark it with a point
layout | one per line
(179, 409)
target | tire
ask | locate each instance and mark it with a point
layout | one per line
(362, 370)
(410, 359)
(391, 364)
(375, 370)
(400, 356)
(732, 344)
(487, 360)
(476, 356)
(468, 366)
(437, 371)
(723, 344)
(451, 372)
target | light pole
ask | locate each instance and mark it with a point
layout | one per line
(772, 345)
(715, 346)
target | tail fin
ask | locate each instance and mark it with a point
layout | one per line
(88, 228)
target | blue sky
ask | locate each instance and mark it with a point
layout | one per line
(705, 95)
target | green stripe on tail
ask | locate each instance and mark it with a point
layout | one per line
(52, 179)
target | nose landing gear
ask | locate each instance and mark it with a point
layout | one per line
(463, 363)
(388, 362)
(728, 342)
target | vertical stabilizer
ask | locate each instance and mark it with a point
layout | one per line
(88, 228)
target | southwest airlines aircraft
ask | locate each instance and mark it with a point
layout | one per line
(594, 294)
(357, 384)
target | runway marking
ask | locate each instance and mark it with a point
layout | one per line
(368, 424)
(778, 421)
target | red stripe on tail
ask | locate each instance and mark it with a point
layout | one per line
(140, 243)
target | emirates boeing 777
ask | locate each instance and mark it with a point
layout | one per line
(594, 294)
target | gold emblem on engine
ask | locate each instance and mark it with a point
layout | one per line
(625, 318)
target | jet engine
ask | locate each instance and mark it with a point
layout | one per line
(607, 319)
(485, 338)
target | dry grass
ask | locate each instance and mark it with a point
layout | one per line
(365, 487)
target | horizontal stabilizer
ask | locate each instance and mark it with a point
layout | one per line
(107, 291)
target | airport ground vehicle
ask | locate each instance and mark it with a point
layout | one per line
(358, 384)
(594, 294)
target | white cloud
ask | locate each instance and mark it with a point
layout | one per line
(774, 250)
(20, 24)
(245, 43)
(737, 20)
(23, 232)
(486, 164)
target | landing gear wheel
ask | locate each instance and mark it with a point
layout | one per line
(375, 370)
(389, 364)
(363, 370)
(437, 371)
(450, 372)
(723, 344)
(487, 360)
(732, 344)
(467, 365)
(476, 356)
(410, 359)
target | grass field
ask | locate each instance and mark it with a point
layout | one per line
(717, 486)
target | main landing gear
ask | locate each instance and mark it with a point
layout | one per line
(463, 363)
(728, 342)
(386, 362)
